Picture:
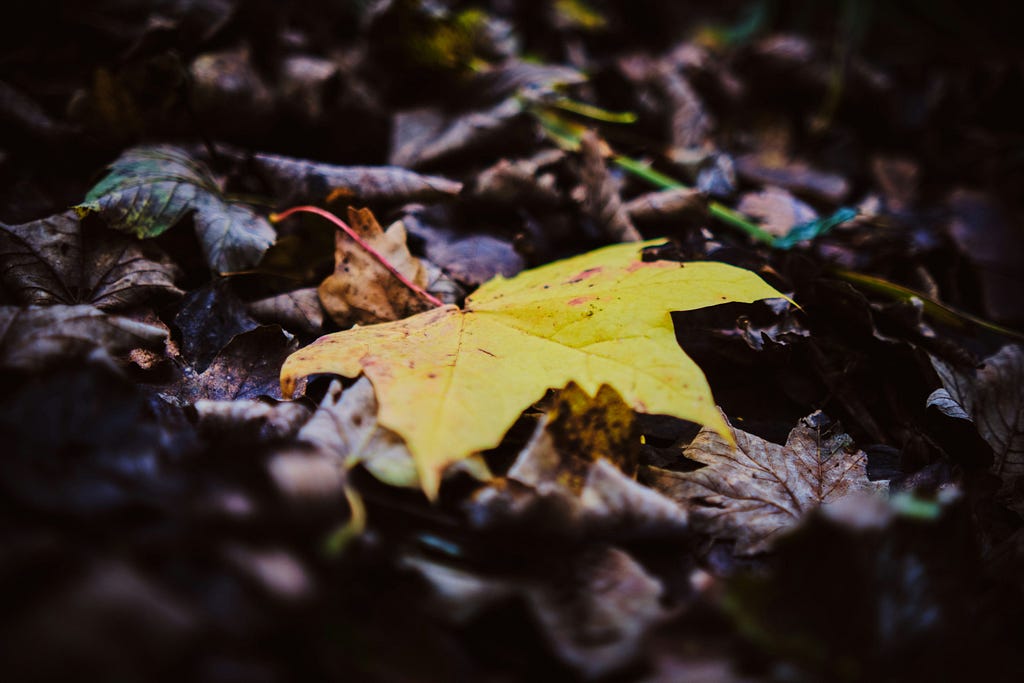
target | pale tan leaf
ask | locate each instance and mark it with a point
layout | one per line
(361, 290)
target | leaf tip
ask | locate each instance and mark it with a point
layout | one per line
(720, 424)
(430, 483)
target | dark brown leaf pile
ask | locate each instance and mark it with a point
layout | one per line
(165, 514)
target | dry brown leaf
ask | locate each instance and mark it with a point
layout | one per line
(361, 290)
(602, 202)
(667, 205)
(794, 175)
(598, 615)
(469, 259)
(584, 454)
(990, 237)
(426, 137)
(295, 181)
(691, 124)
(758, 489)
(596, 609)
(49, 261)
(994, 397)
(35, 336)
(249, 421)
(298, 310)
(521, 181)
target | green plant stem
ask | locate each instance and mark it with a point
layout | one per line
(933, 308)
(720, 211)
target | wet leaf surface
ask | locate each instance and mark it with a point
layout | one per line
(247, 367)
(209, 318)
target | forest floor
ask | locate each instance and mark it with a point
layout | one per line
(167, 513)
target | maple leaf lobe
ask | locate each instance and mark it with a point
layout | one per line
(457, 400)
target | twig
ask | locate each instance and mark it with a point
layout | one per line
(277, 217)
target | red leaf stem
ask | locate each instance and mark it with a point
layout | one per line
(276, 217)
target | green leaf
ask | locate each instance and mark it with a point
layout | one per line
(148, 190)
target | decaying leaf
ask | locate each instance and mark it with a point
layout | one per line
(345, 429)
(521, 181)
(50, 262)
(226, 82)
(596, 610)
(425, 137)
(667, 205)
(602, 202)
(755, 489)
(515, 75)
(150, 189)
(794, 175)
(580, 465)
(452, 381)
(361, 290)
(613, 603)
(994, 397)
(246, 368)
(249, 421)
(990, 237)
(298, 310)
(691, 124)
(470, 259)
(209, 318)
(297, 181)
(947, 405)
(34, 336)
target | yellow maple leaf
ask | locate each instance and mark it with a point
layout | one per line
(452, 381)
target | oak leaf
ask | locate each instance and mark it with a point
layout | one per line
(452, 381)
(752, 490)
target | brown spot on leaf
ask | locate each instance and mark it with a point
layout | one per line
(589, 272)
